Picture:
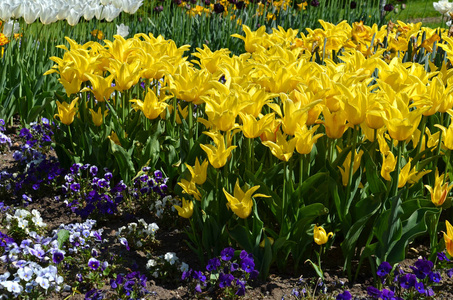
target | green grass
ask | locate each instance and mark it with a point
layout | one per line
(418, 11)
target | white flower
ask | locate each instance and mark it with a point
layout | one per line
(151, 263)
(132, 226)
(21, 213)
(152, 228)
(184, 267)
(122, 30)
(13, 287)
(48, 14)
(43, 282)
(141, 221)
(443, 6)
(31, 11)
(73, 17)
(25, 273)
(9, 28)
(22, 224)
(131, 6)
(155, 274)
(171, 257)
(5, 11)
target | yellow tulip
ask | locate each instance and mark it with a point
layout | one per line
(321, 236)
(190, 84)
(253, 39)
(152, 107)
(70, 81)
(447, 138)
(241, 203)
(401, 122)
(408, 175)
(66, 111)
(282, 149)
(269, 239)
(101, 87)
(347, 166)
(114, 138)
(388, 165)
(305, 139)
(190, 188)
(335, 123)
(97, 116)
(198, 172)
(218, 154)
(186, 211)
(440, 191)
(126, 75)
(253, 128)
(448, 238)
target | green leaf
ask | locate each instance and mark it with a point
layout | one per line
(124, 161)
(63, 236)
(372, 175)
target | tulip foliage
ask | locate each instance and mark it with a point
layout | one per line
(344, 126)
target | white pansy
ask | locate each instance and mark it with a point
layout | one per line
(151, 263)
(171, 257)
(184, 267)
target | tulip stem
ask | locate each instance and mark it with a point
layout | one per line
(422, 134)
(321, 249)
(397, 174)
(351, 169)
(250, 154)
(190, 116)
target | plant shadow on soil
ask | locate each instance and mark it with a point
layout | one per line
(279, 284)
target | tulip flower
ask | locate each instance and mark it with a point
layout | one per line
(253, 128)
(320, 236)
(152, 107)
(253, 39)
(218, 154)
(400, 121)
(388, 166)
(198, 172)
(241, 203)
(335, 123)
(126, 75)
(448, 238)
(190, 188)
(282, 149)
(122, 30)
(101, 86)
(305, 138)
(440, 191)
(347, 166)
(186, 211)
(97, 116)
(447, 139)
(66, 111)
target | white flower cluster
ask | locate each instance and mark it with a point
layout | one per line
(30, 276)
(445, 8)
(136, 234)
(23, 219)
(49, 11)
(159, 205)
(159, 266)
